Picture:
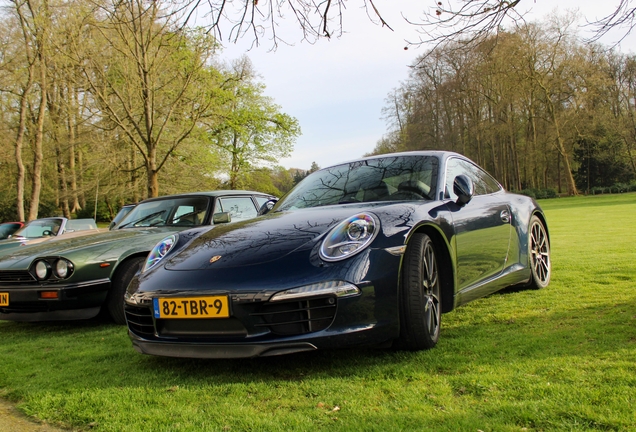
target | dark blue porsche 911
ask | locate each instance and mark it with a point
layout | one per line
(369, 252)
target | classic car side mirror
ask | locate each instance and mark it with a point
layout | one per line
(464, 188)
(265, 208)
(223, 217)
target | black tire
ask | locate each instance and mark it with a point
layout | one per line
(539, 254)
(115, 298)
(420, 295)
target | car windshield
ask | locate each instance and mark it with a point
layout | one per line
(6, 229)
(184, 211)
(379, 179)
(39, 228)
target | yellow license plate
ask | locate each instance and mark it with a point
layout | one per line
(4, 299)
(191, 307)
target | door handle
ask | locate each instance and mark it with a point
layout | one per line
(505, 216)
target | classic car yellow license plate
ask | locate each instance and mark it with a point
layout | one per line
(191, 307)
(4, 299)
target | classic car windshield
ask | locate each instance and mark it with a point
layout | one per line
(39, 228)
(185, 211)
(380, 179)
(7, 229)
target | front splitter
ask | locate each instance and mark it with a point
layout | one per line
(217, 351)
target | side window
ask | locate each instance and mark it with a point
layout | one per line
(484, 183)
(490, 184)
(261, 200)
(453, 169)
(240, 208)
(189, 212)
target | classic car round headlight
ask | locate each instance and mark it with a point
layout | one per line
(349, 237)
(42, 270)
(160, 250)
(63, 268)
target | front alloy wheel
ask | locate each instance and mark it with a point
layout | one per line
(421, 309)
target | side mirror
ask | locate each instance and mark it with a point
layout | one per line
(464, 188)
(265, 208)
(223, 217)
(47, 233)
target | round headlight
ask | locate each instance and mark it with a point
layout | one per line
(160, 250)
(349, 237)
(42, 270)
(63, 268)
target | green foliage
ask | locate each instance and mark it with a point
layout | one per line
(540, 193)
(616, 188)
(534, 105)
(602, 163)
(103, 212)
(557, 359)
(252, 132)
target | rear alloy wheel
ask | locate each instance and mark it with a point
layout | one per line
(115, 299)
(539, 254)
(421, 307)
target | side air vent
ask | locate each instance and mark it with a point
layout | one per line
(298, 317)
(140, 320)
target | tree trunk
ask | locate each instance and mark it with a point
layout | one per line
(36, 180)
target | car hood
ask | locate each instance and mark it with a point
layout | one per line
(263, 239)
(24, 241)
(102, 246)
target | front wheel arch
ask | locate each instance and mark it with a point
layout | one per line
(126, 269)
(446, 266)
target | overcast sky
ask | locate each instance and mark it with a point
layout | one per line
(336, 88)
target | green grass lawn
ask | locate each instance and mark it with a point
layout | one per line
(562, 358)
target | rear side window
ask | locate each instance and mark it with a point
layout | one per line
(484, 183)
(240, 208)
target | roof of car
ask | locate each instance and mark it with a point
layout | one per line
(215, 193)
(441, 154)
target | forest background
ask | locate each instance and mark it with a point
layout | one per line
(106, 104)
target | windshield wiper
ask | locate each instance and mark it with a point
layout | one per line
(150, 216)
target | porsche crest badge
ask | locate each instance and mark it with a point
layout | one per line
(215, 258)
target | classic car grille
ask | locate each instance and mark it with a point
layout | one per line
(140, 320)
(298, 317)
(16, 276)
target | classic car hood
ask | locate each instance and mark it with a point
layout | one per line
(97, 246)
(263, 239)
(13, 242)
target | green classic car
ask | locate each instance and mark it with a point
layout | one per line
(74, 278)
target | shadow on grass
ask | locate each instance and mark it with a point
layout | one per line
(98, 354)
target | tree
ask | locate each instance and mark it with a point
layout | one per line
(469, 20)
(521, 104)
(473, 20)
(252, 131)
(151, 80)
